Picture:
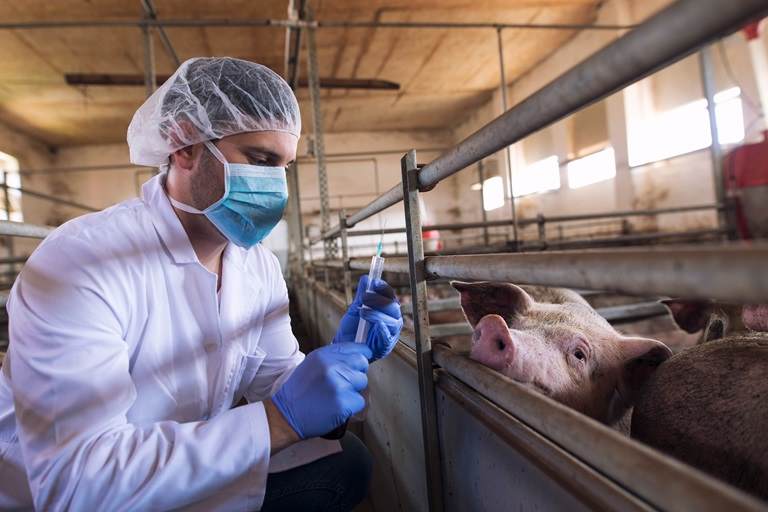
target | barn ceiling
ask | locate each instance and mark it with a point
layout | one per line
(443, 74)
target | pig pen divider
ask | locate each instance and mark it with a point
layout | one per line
(726, 272)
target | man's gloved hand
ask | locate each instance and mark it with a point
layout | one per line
(324, 390)
(381, 310)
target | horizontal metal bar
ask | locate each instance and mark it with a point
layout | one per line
(9, 228)
(621, 240)
(469, 25)
(662, 481)
(146, 22)
(543, 219)
(596, 491)
(614, 314)
(311, 158)
(81, 168)
(154, 22)
(384, 201)
(666, 37)
(17, 259)
(735, 273)
(628, 213)
(54, 199)
(450, 329)
(632, 312)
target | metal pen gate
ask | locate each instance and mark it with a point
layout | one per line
(595, 465)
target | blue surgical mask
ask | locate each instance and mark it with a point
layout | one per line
(253, 201)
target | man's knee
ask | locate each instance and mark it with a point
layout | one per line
(356, 465)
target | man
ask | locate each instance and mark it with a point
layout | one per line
(134, 330)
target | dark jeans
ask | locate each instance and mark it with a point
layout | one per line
(337, 482)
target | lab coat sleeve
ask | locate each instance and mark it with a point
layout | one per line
(277, 340)
(72, 389)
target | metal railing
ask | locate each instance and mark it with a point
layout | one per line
(695, 272)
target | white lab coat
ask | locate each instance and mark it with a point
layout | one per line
(122, 369)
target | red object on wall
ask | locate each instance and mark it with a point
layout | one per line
(746, 167)
(752, 31)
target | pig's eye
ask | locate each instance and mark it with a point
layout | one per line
(580, 355)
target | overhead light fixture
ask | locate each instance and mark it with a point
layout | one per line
(138, 80)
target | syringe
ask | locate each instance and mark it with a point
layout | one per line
(377, 267)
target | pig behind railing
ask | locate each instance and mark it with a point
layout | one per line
(706, 405)
(552, 340)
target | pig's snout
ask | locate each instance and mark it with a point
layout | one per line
(491, 343)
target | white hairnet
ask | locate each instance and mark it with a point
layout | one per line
(210, 98)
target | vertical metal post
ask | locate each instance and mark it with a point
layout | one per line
(345, 257)
(296, 228)
(7, 200)
(418, 284)
(150, 79)
(481, 177)
(715, 150)
(507, 150)
(319, 144)
(542, 228)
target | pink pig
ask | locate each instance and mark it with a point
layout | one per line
(552, 340)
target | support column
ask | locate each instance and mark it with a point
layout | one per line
(507, 154)
(715, 150)
(345, 257)
(150, 78)
(418, 284)
(481, 177)
(319, 144)
(624, 187)
(7, 200)
(759, 66)
(295, 224)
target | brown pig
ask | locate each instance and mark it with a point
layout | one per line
(552, 340)
(717, 320)
(707, 406)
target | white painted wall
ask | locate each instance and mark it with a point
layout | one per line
(686, 180)
(30, 154)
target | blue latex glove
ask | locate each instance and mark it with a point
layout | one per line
(381, 309)
(324, 390)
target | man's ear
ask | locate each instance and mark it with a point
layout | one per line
(487, 298)
(184, 158)
(640, 357)
(690, 315)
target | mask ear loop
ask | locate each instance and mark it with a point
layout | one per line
(220, 157)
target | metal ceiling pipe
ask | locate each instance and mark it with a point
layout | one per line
(668, 36)
(289, 23)
(21, 229)
(694, 272)
(467, 25)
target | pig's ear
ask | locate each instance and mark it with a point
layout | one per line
(640, 358)
(755, 317)
(487, 298)
(690, 315)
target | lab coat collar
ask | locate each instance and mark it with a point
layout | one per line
(171, 231)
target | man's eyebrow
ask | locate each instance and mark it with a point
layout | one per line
(250, 150)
